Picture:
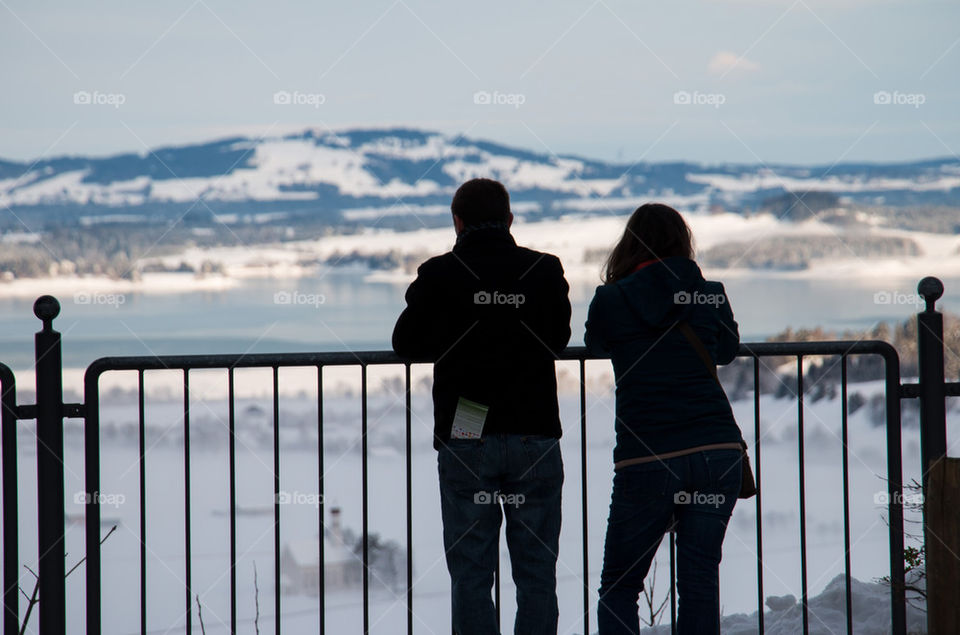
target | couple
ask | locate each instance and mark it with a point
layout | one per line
(493, 317)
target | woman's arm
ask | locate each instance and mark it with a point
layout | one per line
(594, 336)
(728, 335)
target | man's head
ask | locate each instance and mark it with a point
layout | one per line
(480, 201)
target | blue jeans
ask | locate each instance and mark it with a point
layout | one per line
(698, 490)
(519, 477)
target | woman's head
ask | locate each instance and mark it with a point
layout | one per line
(654, 231)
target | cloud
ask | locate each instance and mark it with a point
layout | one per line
(726, 61)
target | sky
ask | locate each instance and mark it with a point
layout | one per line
(746, 81)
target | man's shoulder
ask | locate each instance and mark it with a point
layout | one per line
(546, 262)
(435, 264)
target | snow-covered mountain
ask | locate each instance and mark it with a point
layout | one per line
(356, 174)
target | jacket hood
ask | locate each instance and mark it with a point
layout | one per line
(660, 293)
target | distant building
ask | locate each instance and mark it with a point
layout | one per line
(300, 560)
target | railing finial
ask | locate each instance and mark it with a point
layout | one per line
(931, 289)
(46, 308)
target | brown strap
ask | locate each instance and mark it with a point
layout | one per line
(670, 455)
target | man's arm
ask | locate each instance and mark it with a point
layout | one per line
(557, 333)
(415, 333)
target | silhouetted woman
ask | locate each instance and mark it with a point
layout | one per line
(678, 447)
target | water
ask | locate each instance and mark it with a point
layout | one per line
(358, 314)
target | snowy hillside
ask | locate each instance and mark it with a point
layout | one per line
(322, 172)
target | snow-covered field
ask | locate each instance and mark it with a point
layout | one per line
(341, 478)
(575, 239)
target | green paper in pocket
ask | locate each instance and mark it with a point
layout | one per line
(468, 420)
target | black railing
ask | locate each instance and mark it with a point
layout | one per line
(50, 412)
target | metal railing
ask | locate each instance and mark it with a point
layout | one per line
(50, 412)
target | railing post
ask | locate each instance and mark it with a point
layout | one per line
(939, 525)
(933, 413)
(50, 503)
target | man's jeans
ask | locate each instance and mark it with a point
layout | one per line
(523, 475)
(699, 490)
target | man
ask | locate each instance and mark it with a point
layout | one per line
(493, 317)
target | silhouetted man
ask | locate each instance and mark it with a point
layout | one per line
(492, 317)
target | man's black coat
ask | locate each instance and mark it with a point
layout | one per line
(492, 317)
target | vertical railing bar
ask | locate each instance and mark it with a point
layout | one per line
(583, 494)
(143, 504)
(803, 498)
(409, 470)
(363, 498)
(186, 498)
(91, 477)
(898, 597)
(321, 511)
(673, 582)
(11, 520)
(276, 500)
(759, 504)
(846, 493)
(231, 423)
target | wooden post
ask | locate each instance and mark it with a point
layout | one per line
(942, 537)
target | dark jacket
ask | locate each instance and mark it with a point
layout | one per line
(492, 317)
(666, 398)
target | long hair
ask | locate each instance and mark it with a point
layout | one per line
(654, 231)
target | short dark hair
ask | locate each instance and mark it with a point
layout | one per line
(654, 231)
(481, 201)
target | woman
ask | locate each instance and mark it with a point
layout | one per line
(678, 446)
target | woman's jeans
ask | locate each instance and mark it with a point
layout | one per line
(519, 477)
(699, 490)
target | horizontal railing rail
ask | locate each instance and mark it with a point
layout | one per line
(364, 359)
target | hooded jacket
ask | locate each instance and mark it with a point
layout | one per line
(492, 317)
(667, 400)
